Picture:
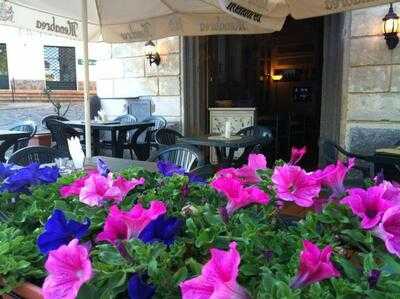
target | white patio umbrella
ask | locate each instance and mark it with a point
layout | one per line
(138, 20)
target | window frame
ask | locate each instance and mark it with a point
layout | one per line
(59, 84)
(6, 80)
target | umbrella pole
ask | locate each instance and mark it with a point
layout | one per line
(86, 87)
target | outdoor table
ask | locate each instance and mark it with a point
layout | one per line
(221, 144)
(7, 134)
(118, 133)
(388, 159)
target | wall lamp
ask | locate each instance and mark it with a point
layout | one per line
(390, 28)
(277, 77)
(151, 53)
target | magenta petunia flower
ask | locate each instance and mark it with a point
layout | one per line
(98, 189)
(292, 183)
(69, 267)
(238, 195)
(333, 176)
(218, 278)
(315, 265)
(368, 204)
(389, 230)
(392, 191)
(74, 189)
(247, 174)
(125, 186)
(124, 225)
(297, 154)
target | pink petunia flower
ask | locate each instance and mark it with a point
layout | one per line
(69, 267)
(238, 195)
(315, 265)
(368, 204)
(218, 278)
(74, 189)
(125, 186)
(297, 154)
(98, 189)
(121, 225)
(389, 230)
(333, 176)
(292, 183)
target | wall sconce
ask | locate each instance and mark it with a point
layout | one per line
(151, 53)
(276, 77)
(390, 28)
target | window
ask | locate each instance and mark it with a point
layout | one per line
(60, 67)
(4, 84)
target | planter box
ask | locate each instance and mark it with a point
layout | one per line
(43, 139)
(26, 291)
(293, 210)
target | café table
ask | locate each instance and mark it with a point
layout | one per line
(221, 144)
(388, 159)
(117, 130)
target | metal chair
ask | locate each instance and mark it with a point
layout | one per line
(10, 146)
(159, 123)
(123, 119)
(60, 133)
(52, 117)
(166, 136)
(187, 157)
(258, 131)
(38, 154)
(330, 151)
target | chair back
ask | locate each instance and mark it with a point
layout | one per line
(52, 117)
(29, 127)
(166, 136)
(60, 133)
(31, 154)
(187, 157)
(126, 119)
(258, 131)
(329, 151)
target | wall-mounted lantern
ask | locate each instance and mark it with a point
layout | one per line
(390, 28)
(277, 77)
(151, 53)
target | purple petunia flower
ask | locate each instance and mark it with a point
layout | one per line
(6, 170)
(23, 178)
(162, 229)
(60, 231)
(169, 169)
(139, 289)
(102, 167)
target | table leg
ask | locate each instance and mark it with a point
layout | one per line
(222, 158)
(114, 145)
(95, 141)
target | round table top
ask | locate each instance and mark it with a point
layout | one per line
(220, 141)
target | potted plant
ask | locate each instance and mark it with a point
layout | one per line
(170, 234)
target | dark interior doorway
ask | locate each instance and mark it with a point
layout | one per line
(280, 74)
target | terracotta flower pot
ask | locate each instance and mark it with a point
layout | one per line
(26, 291)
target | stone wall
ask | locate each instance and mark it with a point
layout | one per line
(123, 71)
(371, 103)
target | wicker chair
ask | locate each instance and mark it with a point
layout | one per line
(187, 157)
(38, 154)
(159, 123)
(166, 136)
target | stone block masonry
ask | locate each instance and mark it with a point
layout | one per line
(371, 111)
(123, 71)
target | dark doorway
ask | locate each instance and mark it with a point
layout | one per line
(280, 74)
